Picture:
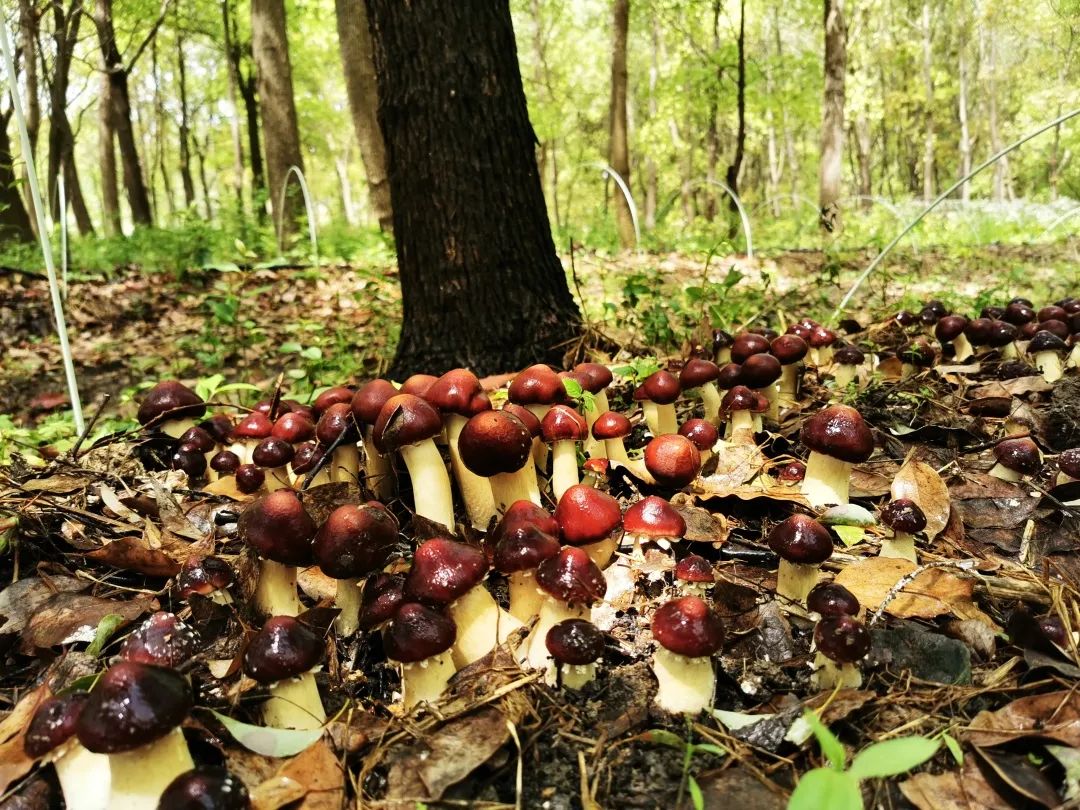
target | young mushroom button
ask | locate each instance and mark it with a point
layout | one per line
(672, 460)
(162, 640)
(803, 545)
(906, 519)
(571, 583)
(519, 550)
(205, 788)
(563, 428)
(1016, 458)
(366, 404)
(591, 519)
(843, 641)
(689, 633)
(832, 599)
(575, 646)
(837, 438)
(282, 655)
(419, 638)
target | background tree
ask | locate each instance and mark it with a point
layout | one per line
(832, 118)
(619, 149)
(481, 284)
(14, 221)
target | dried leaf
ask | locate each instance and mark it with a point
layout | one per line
(21, 600)
(1016, 387)
(321, 776)
(920, 482)
(1017, 775)
(55, 484)
(702, 526)
(935, 592)
(14, 763)
(132, 554)
(872, 480)
(966, 790)
(73, 617)
(1054, 717)
(735, 465)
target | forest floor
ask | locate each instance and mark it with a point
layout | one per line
(958, 659)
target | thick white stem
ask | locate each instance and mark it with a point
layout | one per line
(1010, 352)
(175, 428)
(826, 481)
(827, 675)
(666, 420)
(475, 490)
(540, 450)
(275, 594)
(525, 598)
(432, 496)
(509, 487)
(900, 546)
(593, 447)
(424, 681)
(843, 375)
(564, 468)
(345, 463)
(617, 455)
(347, 600)
(551, 613)
(481, 624)
(773, 395)
(85, 777)
(789, 382)
(962, 348)
(378, 469)
(139, 777)
(570, 676)
(795, 581)
(1074, 356)
(710, 400)
(277, 478)
(686, 684)
(601, 551)
(652, 418)
(1049, 363)
(723, 356)
(1005, 474)
(741, 427)
(294, 703)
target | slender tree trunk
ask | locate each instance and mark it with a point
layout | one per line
(14, 220)
(258, 167)
(832, 120)
(156, 148)
(618, 145)
(864, 144)
(232, 59)
(341, 168)
(200, 156)
(269, 43)
(962, 112)
(928, 109)
(28, 31)
(712, 132)
(110, 193)
(185, 125)
(355, 39)
(481, 284)
(735, 167)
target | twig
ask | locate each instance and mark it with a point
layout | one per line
(89, 427)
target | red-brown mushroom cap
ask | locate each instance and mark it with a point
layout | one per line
(219, 426)
(950, 327)
(523, 549)
(418, 384)
(404, 420)
(337, 420)
(596, 377)
(271, 452)
(661, 387)
(1069, 462)
(444, 570)
(839, 432)
(188, 459)
(701, 432)
(162, 640)
(369, 399)
(586, 515)
(801, 540)
(688, 626)
(1001, 334)
(53, 723)
(654, 517)
(284, 648)
(380, 599)
(255, 425)
(903, 515)
(697, 372)
(279, 528)
(355, 540)
(417, 632)
(205, 788)
(575, 642)
(673, 460)
(456, 391)
(224, 462)
(198, 439)
(739, 398)
(494, 442)
(572, 577)
(336, 395)
(525, 416)
(694, 568)
(563, 424)
(747, 344)
(792, 471)
(1046, 341)
(842, 639)
(1052, 312)
(1018, 313)
(832, 599)
(203, 576)
(523, 513)
(760, 371)
(730, 376)
(849, 356)
(306, 457)
(249, 478)
(536, 385)
(1019, 455)
(133, 705)
(293, 428)
(820, 337)
(918, 352)
(789, 349)
(167, 400)
(611, 425)
(721, 340)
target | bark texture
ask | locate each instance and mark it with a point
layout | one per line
(481, 284)
(14, 220)
(355, 38)
(619, 147)
(270, 46)
(830, 172)
(110, 192)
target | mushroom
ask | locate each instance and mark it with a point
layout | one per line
(355, 540)
(446, 572)
(591, 519)
(563, 428)
(162, 640)
(83, 775)
(279, 530)
(1068, 465)
(721, 345)
(657, 394)
(747, 344)
(791, 473)
(594, 378)
(380, 597)
(737, 407)
(688, 633)
(496, 445)
(1016, 458)
(335, 395)
(760, 372)
(247, 433)
(274, 456)
(673, 460)
(224, 463)
(916, 355)
(575, 646)
(190, 460)
(209, 577)
(366, 404)
(906, 519)
(832, 599)
(133, 715)
(703, 434)
(170, 407)
(821, 342)
(571, 583)
(847, 362)
(419, 638)
(652, 519)
(283, 655)
(200, 441)
(837, 438)
(1046, 348)
(532, 424)
(702, 374)
(694, 575)
(1003, 336)
(803, 545)
(338, 425)
(522, 540)
(305, 459)
(612, 428)
(790, 350)
(205, 788)
(595, 471)
(537, 388)
(840, 640)
(950, 330)
(249, 478)
(408, 425)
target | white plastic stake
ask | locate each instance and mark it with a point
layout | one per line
(43, 231)
(614, 175)
(308, 204)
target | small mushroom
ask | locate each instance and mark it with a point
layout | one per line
(906, 519)
(338, 425)
(83, 775)
(652, 520)
(803, 545)
(366, 404)
(694, 575)
(1016, 458)
(591, 519)
(1047, 348)
(837, 438)
(170, 407)
(832, 599)
(205, 788)
(702, 374)
(571, 583)
(790, 350)
(521, 542)
(842, 641)
(563, 428)
(279, 530)
(672, 460)
(210, 577)
(575, 646)
(283, 655)
(497, 446)
(419, 638)
(657, 394)
(612, 428)
(688, 633)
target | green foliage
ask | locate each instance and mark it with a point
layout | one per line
(689, 749)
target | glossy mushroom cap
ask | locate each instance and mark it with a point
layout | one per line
(284, 648)
(494, 442)
(697, 372)
(849, 356)
(842, 639)
(950, 327)
(1045, 341)
(748, 344)
(444, 570)
(1001, 334)
(611, 425)
(256, 425)
(380, 599)
(224, 462)
(577, 642)
(801, 540)
(694, 568)
(53, 723)
(272, 452)
(839, 432)
(456, 391)
(595, 377)
(1059, 328)
(654, 517)
(132, 705)
(903, 515)
(831, 599)
(205, 788)
(536, 385)
(978, 330)
(1052, 312)
(203, 576)
(189, 460)
(673, 460)
(739, 398)
(355, 540)
(293, 428)
(563, 424)
(701, 432)
(789, 349)
(523, 513)
(306, 457)
(417, 632)
(821, 337)
(571, 577)
(369, 399)
(661, 387)
(792, 471)
(1054, 629)
(1019, 455)
(279, 528)
(1018, 313)
(688, 626)
(730, 376)
(721, 340)
(404, 420)
(337, 395)
(586, 515)
(524, 548)
(337, 420)
(198, 439)
(760, 371)
(1069, 462)
(219, 426)
(168, 400)
(906, 317)
(418, 384)
(249, 478)
(162, 640)
(525, 416)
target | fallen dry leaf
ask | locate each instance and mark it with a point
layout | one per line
(735, 465)
(318, 771)
(132, 554)
(1015, 774)
(21, 600)
(14, 763)
(872, 480)
(966, 790)
(1053, 717)
(72, 617)
(920, 482)
(1015, 387)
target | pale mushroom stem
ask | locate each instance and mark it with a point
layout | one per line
(424, 681)
(84, 777)
(551, 613)
(772, 394)
(278, 478)
(516, 486)
(962, 348)
(347, 600)
(1049, 363)
(826, 480)
(139, 777)
(481, 624)
(617, 455)
(900, 546)
(475, 489)
(175, 428)
(843, 375)
(1074, 356)
(593, 447)
(294, 703)
(740, 426)
(378, 468)
(1005, 474)
(827, 675)
(795, 581)
(686, 684)
(564, 467)
(345, 463)
(275, 593)
(525, 598)
(666, 420)
(710, 400)
(602, 551)
(652, 417)
(789, 382)
(432, 497)
(540, 450)
(570, 676)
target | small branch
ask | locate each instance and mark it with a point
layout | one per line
(89, 426)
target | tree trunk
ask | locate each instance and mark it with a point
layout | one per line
(14, 220)
(355, 38)
(832, 119)
(341, 168)
(928, 109)
(185, 125)
(864, 144)
(138, 199)
(740, 105)
(270, 45)
(200, 156)
(232, 60)
(481, 284)
(110, 193)
(28, 30)
(618, 146)
(712, 132)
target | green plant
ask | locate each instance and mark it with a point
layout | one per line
(837, 786)
(689, 748)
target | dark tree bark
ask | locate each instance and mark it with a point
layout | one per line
(14, 220)
(185, 126)
(28, 33)
(110, 192)
(234, 119)
(832, 119)
(355, 38)
(619, 147)
(481, 284)
(740, 104)
(246, 86)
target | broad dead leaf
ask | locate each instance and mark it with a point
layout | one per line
(1015, 387)
(1051, 717)
(319, 774)
(130, 553)
(918, 481)
(73, 617)
(14, 763)
(872, 480)
(735, 465)
(20, 600)
(966, 790)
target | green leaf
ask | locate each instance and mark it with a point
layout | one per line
(826, 789)
(236, 387)
(695, 793)
(312, 353)
(270, 742)
(573, 388)
(954, 747)
(105, 630)
(662, 737)
(831, 747)
(709, 748)
(893, 757)
(850, 535)
(290, 347)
